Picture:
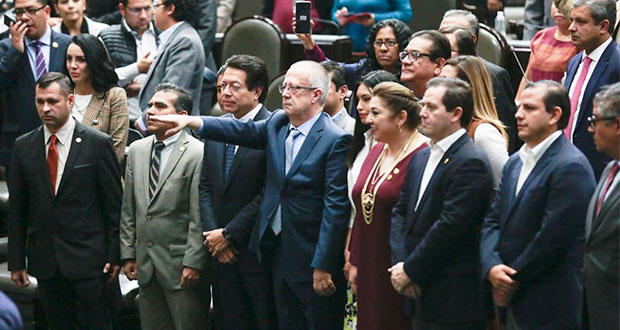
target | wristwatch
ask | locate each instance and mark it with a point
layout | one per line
(226, 234)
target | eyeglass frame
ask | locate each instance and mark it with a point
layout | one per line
(380, 43)
(592, 120)
(18, 12)
(138, 10)
(416, 55)
(294, 89)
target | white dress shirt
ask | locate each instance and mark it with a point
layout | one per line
(247, 117)
(437, 151)
(304, 129)
(531, 156)
(493, 143)
(64, 135)
(46, 41)
(595, 55)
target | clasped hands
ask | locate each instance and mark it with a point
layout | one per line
(402, 283)
(219, 247)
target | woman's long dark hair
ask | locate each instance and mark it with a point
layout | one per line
(402, 32)
(370, 80)
(102, 74)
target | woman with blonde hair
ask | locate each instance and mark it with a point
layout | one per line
(393, 120)
(485, 128)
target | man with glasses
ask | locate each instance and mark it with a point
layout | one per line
(423, 59)
(132, 45)
(303, 218)
(601, 277)
(33, 50)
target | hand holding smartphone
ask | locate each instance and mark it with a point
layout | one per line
(302, 16)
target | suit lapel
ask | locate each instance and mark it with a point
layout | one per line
(219, 154)
(418, 167)
(175, 155)
(280, 158)
(144, 162)
(26, 66)
(592, 85)
(313, 137)
(570, 74)
(74, 152)
(239, 156)
(40, 159)
(92, 110)
(57, 59)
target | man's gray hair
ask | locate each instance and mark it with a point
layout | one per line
(317, 77)
(607, 101)
(600, 10)
(474, 24)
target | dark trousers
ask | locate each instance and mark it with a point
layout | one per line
(74, 304)
(478, 325)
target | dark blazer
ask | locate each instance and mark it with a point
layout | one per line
(439, 240)
(75, 231)
(600, 268)
(504, 96)
(540, 234)
(17, 90)
(233, 203)
(313, 195)
(607, 72)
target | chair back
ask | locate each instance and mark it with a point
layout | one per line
(491, 45)
(245, 8)
(273, 100)
(257, 36)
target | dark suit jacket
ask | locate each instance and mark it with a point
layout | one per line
(439, 240)
(75, 231)
(540, 234)
(600, 268)
(504, 102)
(313, 195)
(233, 203)
(17, 90)
(607, 72)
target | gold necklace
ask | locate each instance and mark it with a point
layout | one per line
(369, 196)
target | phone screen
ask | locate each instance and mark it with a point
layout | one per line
(302, 15)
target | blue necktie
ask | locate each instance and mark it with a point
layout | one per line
(229, 157)
(276, 224)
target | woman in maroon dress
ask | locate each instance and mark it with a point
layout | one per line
(393, 120)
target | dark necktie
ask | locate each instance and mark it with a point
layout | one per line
(155, 160)
(230, 156)
(610, 179)
(52, 162)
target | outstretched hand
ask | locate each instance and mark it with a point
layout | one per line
(177, 122)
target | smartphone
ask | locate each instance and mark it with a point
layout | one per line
(302, 15)
(9, 18)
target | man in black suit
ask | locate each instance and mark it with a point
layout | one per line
(31, 39)
(64, 211)
(231, 190)
(502, 87)
(436, 223)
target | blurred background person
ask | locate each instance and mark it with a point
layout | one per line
(99, 103)
(357, 27)
(225, 9)
(281, 12)
(73, 21)
(423, 59)
(485, 128)
(461, 41)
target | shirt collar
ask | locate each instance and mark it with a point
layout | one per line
(596, 54)
(62, 135)
(307, 125)
(165, 35)
(527, 153)
(339, 115)
(134, 33)
(45, 39)
(170, 141)
(445, 143)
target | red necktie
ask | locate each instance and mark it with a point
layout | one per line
(610, 179)
(52, 162)
(574, 98)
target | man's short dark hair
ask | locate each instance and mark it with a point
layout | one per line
(256, 74)
(441, 45)
(337, 73)
(600, 10)
(54, 77)
(554, 96)
(184, 98)
(183, 10)
(457, 93)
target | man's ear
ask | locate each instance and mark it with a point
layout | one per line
(440, 63)
(343, 90)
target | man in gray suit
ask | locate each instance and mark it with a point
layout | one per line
(181, 58)
(334, 103)
(536, 16)
(601, 270)
(161, 235)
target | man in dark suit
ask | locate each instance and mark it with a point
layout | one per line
(436, 222)
(231, 190)
(600, 268)
(502, 87)
(533, 237)
(596, 66)
(32, 50)
(64, 211)
(303, 217)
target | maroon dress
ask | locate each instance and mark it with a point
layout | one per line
(378, 305)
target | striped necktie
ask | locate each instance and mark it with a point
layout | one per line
(41, 67)
(155, 160)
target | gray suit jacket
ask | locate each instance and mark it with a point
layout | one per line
(163, 234)
(181, 62)
(346, 122)
(601, 270)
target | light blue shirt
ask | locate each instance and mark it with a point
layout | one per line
(304, 129)
(46, 41)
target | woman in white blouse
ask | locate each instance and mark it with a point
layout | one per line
(485, 128)
(73, 21)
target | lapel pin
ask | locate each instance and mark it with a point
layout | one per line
(389, 177)
(446, 161)
(78, 140)
(181, 149)
(396, 171)
(55, 44)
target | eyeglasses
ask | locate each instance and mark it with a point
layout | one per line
(138, 10)
(294, 89)
(28, 11)
(413, 56)
(388, 43)
(234, 87)
(161, 4)
(593, 119)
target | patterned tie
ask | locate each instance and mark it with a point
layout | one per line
(52, 162)
(610, 179)
(230, 156)
(155, 160)
(40, 66)
(574, 98)
(276, 224)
